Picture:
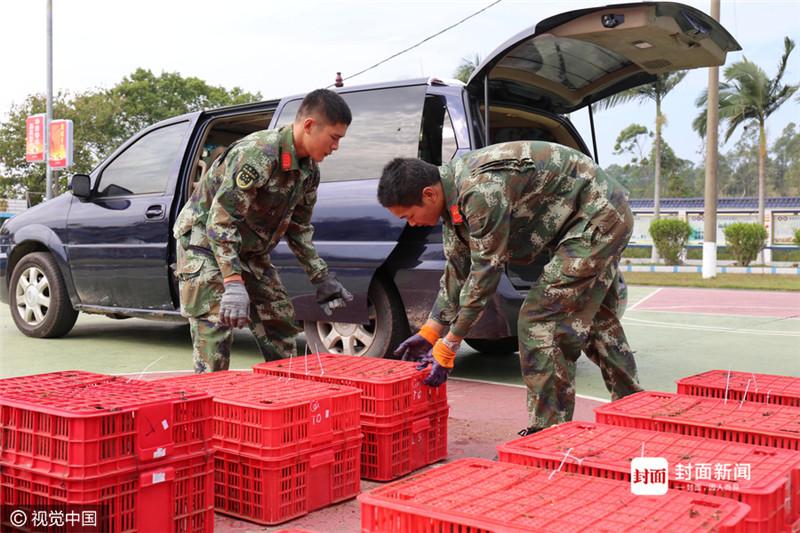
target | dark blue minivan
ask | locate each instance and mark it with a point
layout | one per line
(106, 246)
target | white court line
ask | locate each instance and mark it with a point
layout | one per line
(486, 382)
(724, 315)
(716, 329)
(781, 308)
(634, 306)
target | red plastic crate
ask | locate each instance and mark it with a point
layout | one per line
(393, 450)
(764, 388)
(478, 496)
(101, 427)
(748, 422)
(388, 387)
(606, 451)
(271, 417)
(39, 383)
(271, 491)
(176, 496)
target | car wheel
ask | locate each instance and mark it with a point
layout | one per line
(387, 327)
(40, 304)
(505, 345)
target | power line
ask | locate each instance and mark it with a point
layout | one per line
(421, 42)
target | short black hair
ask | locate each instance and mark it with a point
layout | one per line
(326, 103)
(403, 179)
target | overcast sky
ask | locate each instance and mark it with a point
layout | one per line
(287, 47)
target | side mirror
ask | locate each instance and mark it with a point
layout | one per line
(81, 186)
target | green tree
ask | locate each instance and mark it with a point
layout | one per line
(785, 170)
(748, 95)
(102, 120)
(680, 173)
(17, 176)
(467, 66)
(630, 176)
(738, 168)
(631, 141)
(656, 92)
(145, 98)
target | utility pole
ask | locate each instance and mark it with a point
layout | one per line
(49, 116)
(710, 198)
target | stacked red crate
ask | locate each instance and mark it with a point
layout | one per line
(404, 421)
(764, 478)
(119, 446)
(284, 447)
(763, 388)
(737, 421)
(476, 495)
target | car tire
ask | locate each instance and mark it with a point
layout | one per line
(39, 301)
(386, 329)
(503, 346)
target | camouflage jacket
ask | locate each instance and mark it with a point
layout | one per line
(254, 194)
(507, 203)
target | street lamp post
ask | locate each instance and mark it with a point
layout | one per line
(49, 115)
(710, 197)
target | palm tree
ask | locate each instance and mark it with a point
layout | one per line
(467, 67)
(655, 91)
(749, 95)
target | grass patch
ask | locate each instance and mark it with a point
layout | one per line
(723, 254)
(764, 282)
(786, 254)
(637, 252)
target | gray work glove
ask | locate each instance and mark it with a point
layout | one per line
(234, 309)
(331, 294)
(413, 348)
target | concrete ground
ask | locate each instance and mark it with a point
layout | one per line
(675, 333)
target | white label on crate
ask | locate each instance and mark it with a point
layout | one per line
(165, 424)
(649, 476)
(159, 477)
(160, 452)
(327, 413)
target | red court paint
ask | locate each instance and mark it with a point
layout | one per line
(723, 302)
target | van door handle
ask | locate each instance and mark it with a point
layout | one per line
(154, 212)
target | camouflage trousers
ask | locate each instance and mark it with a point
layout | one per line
(271, 312)
(576, 306)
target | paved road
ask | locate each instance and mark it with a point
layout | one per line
(669, 344)
(671, 340)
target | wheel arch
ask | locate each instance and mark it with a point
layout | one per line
(42, 239)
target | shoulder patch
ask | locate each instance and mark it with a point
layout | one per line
(455, 214)
(246, 177)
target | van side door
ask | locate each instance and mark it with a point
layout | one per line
(118, 238)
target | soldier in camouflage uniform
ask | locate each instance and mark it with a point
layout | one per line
(507, 203)
(263, 187)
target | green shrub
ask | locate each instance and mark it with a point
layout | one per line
(745, 241)
(797, 236)
(670, 236)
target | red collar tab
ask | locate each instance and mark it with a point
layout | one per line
(286, 160)
(455, 214)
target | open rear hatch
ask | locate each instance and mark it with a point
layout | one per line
(571, 60)
(576, 58)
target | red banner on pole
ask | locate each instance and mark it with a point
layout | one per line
(34, 138)
(60, 144)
